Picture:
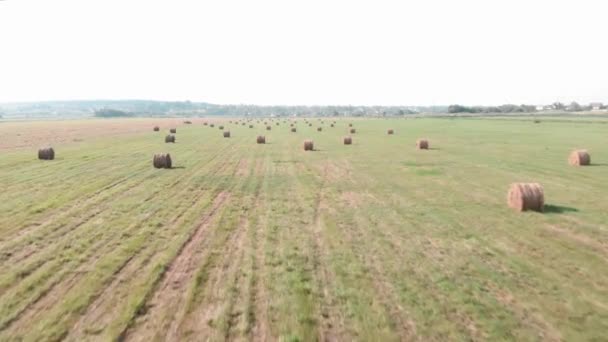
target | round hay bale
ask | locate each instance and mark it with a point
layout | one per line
(332, 125)
(319, 129)
(348, 140)
(308, 145)
(422, 144)
(250, 126)
(173, 130)
(353, 131)
(350, 125)
(226, 134)
(579, 158)
(170, 138)
(162, 161)
(268, 128)
(188, 122)
(293, 129)
(309, 125)
(156, 128)
(526, 196)
(390, 132)
(46, 153)
(205, 123)
(212, 125)
(261, 139)
(220, 127)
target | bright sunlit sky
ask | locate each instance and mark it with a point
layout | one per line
(375, 52)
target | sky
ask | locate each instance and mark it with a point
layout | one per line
(313, 52)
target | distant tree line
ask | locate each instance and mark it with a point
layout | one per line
(111, 113)
(506, 108)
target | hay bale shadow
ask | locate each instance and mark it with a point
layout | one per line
(558, 209)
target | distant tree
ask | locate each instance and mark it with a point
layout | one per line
(575, 107)
(558, 106)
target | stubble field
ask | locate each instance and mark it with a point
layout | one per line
(244, 241)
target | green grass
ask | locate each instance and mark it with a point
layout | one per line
(373, 241)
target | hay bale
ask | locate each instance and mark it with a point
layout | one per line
(162, 161)
(390, 132)
(250, 126)
(309, 125)
(173, 130)
(526, 196)
(220, 127)
(170, 138)
(226, 134)
(308, 145)
(319, 129)
(422, 144)
(350, 125)
(212, 125)
(46, 153)
(205, 123)
(331, 125)
(188, 122)
(353, 131)
(268, 128)
(293, 129)
(579, 158)
(261, 139)
(156, 128)
(348, 140)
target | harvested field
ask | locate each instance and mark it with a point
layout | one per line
(374, 241)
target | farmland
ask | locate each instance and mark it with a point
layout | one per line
(242, 241)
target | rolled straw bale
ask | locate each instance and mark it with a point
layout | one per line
(308, 145)
(422, 144)
(579, 158)
(46, 153)
(526, 196)
(162, 161)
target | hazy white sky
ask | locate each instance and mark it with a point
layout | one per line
(419, 52)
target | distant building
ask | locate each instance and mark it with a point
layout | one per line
(596, 105)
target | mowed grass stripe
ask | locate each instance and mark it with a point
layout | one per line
(185, 191)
